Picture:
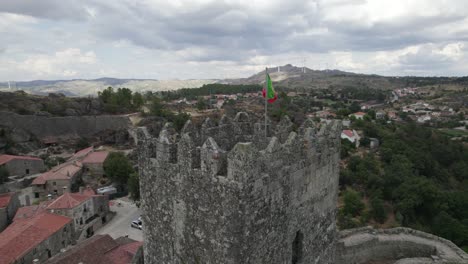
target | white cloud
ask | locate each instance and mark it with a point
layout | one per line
(64, 63)
(212, 39)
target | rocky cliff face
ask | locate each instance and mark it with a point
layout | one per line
(24, 128)
(398, 245)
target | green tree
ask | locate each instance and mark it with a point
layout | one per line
(118, 168)
(378, 210)
(418, 198)
(179, 120)
(448, 227)
(353, 204)
(157, 107)
(134, 186)
(371, 114)
(201, 104)
(354, 107)
(123, 98)
(106, 95)
(82, 143)
(137, 100)
(346, 148)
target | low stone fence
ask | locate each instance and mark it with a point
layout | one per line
(361, 245)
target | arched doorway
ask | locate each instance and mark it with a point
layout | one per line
(297, 248)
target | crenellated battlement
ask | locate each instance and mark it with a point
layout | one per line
(213, 194)
(210, 146)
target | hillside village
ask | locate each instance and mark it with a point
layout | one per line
(64, 186)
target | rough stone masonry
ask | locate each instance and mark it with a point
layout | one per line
(225, 193)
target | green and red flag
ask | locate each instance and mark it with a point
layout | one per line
(268, 90)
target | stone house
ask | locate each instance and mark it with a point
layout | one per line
(351, 135)
(60, 178)
(22, 165)
(424, 118)
(39, 237)
(102, 249)
(358, 115)
(380, 114)
(9, 204)
(28, 212)
(93, 163)
(374, 143)
(392, 115)
(83, 207)
(88, 210)
(77, 206)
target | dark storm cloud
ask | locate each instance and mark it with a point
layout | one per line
(236, 29)
(218, 25)
(233, 31)
(49, 9)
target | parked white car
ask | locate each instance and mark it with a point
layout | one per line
(137, 224)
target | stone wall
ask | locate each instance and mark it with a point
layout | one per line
(3, 218)
(61, 128)
(399, 245)
(22, 167)
(49, 247)
(8, 213)
(227, 194)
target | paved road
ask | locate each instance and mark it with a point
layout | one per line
(120, 224)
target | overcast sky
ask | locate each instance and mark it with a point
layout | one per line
(198, 39)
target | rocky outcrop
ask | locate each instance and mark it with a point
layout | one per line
(43, 128)
(397, 245)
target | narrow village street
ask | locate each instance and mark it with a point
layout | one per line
(120, 224)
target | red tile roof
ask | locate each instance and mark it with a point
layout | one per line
(124, 254)
(98, 249)
(7, 158)
(82, 153)
(25, 234)
(5, 199)
(359, 113)
(348, 133)
(96, 157)
(26, 212)
(89, 191)
(68, 200)
(63, 171)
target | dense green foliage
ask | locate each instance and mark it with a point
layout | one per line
(118, 168)
(82, 143)
(157, 108)
(352, 202)
(121, 100)
(420, 172)
(363, 94)
(207, 89)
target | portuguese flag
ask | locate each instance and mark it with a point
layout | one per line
(268, 91)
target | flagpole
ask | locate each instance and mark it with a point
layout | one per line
(266, 105)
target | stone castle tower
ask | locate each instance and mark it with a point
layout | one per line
(227, 194)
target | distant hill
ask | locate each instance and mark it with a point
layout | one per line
(80, 87)
(298, 77)
(294, 77)
(288, 76)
